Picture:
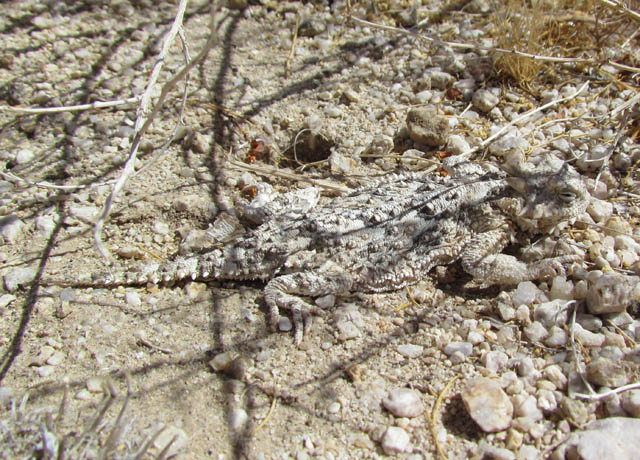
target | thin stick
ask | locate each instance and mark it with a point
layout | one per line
(623, 8)
(13, 178)
(70, 108)
(143, 122)
(574, 352)
(606, 394)
(434, 413)
(287, 65)
(269, 172)
(264, 420)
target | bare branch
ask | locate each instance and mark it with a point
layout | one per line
(144, 121)
(70, 108)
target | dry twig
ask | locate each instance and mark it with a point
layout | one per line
(71, 108)
(145, 118)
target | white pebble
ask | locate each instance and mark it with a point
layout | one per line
(45, 224)
(237, 419)
(133, 299)
(525, 294)
(404, 402)
(395, 440)
(463, 347)
(18, 277)
(535, 332)
(488, 405)
(284, 324)
(10, 228)
(24, 156)
(527, 406)
(410, 350)
(631, 402)
(6, 299)
(327, 301)
(495, 360)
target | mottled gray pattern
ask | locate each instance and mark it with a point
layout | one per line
(388, 235)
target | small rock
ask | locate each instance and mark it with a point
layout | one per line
(605, 372)
(574, 410)
(528, 452)
(311, 27)
(547, 401)
(222, 361)
(284, 324)
(161, 228)
(600, 210)
(84, 213)
(379, 146)
(495, 453)
(24, 156)
(45, 371)
(561, 288)
(45, 224)
(552, 313)
(457, 144)
(333, 111)
(525, 294)
(484, 100)
(610, 293)
(410, 350)
(327, 301)
(56, 358)
(83, 395)
(10, 228)
(133, 299)
(334, 407)
(238, 419)
(615, 438)
(395, 441)
(426, 127)
(404, 402)
(341, 164)
(588, 338)
(631, 402)
(535, 332)
(195, 290)
(488, 405)
(509, 146)
(18, 277)
(495, 361)
(463, 347)
(131, 252)
(95, 385)
(348, 321)
(527, 406)
(6, 299)
(440, 79)
(557, 337)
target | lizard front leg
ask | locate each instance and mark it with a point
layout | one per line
(481, 258)
(284, 292)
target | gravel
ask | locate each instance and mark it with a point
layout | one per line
(358, 102)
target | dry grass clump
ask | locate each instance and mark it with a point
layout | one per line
(586, 29)
(522, 29)
(49, 433)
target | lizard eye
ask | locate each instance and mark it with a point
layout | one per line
(567, 195)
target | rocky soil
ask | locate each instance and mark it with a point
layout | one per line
(446, 369)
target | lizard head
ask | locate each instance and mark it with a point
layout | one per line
(550, 192)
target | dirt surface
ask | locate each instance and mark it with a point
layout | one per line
(343, 85)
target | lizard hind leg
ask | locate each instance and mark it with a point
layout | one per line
(284, 292)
